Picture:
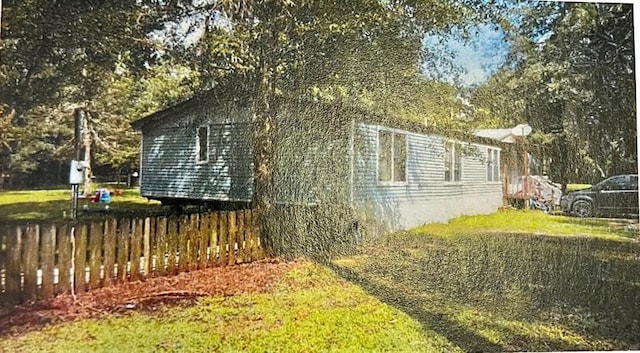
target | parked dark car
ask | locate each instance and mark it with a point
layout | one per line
(615, 196)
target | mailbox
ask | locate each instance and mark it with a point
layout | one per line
(76, 173)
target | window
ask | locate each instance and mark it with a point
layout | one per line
(615, 183)
(202, 145)
(493, 164)
(452, 161)
(392, 156)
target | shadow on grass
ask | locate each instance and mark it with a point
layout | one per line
(513, 283)
(433, 320)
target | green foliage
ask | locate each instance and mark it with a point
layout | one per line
(570, 76)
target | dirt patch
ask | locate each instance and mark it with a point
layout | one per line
(148, 295)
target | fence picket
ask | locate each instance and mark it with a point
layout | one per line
(110, 236)
(136, 248)
(40, 261)
(80, 258)
(48, 239)
(183, 241)
(30, 262)
(122, 248)
(194, 240)
(233, 234)
(13, 277)
(146, 246)
(64, 265)
(95, 254)
(223, 238)
(172, 244)
(213, 239)
(203, 236)
(160, 247)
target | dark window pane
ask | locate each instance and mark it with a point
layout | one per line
(457, 168)
(384, 155)
(447, 161)
(203, 144)
(399, 157)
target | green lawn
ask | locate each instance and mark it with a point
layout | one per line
(479, 284)
(310, 310)
(26, 205)
(488, 283)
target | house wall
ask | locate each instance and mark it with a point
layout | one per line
(169, 152)
(310, 162)
(425, 197)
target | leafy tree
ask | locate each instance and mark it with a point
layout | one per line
(571, 76)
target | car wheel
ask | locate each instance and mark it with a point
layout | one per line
(582, 208)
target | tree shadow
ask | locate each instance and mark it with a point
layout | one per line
(586, 285)
(432, 320)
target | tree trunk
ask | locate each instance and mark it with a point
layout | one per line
(263, 130)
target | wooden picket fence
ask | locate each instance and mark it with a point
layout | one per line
(39, 261)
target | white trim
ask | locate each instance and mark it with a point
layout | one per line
(452, 170)
(406, 150)
(491, 164)
(142, 154)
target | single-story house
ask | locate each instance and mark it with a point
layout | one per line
(396, 174)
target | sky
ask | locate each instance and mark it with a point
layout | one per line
(478, 58)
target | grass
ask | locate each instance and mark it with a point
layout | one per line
(530, 222)
(485, 288)
(41, 205)
(310, 310)
(511, 281)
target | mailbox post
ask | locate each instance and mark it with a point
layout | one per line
(76, 177)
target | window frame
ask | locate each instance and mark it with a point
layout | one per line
(199, 160)
(392, 162)
(493, 165)
(453, 156)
